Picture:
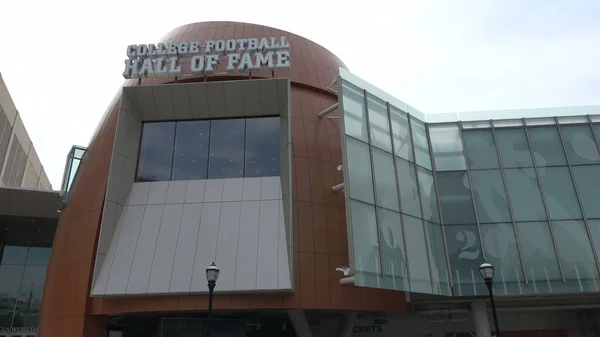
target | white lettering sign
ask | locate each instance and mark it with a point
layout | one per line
(26, 329)
(238, 55)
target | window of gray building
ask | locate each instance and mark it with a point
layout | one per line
(23, 263)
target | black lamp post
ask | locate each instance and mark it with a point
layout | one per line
(212, 274)
(487, 272)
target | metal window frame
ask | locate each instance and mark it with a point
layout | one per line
(510, 208)
(462, 143)
(370, 145)
(423, 223)
(576, 187)
(439, 205)
(406, 261)
(537, 176)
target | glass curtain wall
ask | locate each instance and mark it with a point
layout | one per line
(429, 202)
(397, 237)
(23, 262)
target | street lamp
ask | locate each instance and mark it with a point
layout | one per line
(212, 274)
(487, 272)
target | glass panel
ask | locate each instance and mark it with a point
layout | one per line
(437, 255)
(503, 123)
(490, 196)
(580, 145)
(513, 147)
(366, 241)
(226, 159)
(476, 125)
(408, 187)
(500, 246)
(420, 280)
(587, 179)
(14, 250)
(560, 193)
(394, 263)
(379, 124)
(574, 250)
(156, 152)
(262, 147)
(39, 250)
(191, 150)
(464, 250)
(420, 143)
(385, 180)
(359, 170)
(538, 254)
(10, 279)
(355, 118)
(572, 119)
(30, 297)
(428, 195)
(596, 128)
(540, 121)
(525, 195)
(481, 149)
(78, 153)
(455, 198)
(446, 147)
(400, 133)
(547, 147)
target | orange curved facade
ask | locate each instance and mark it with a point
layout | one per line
(320, 237)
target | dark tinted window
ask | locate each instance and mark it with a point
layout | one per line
(226, 158)
(210, 149)
(262, 147)
(190, 160)
(156, 152)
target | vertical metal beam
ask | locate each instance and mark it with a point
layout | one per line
(437, 198)
(389, 114)
(462, 142)
(585, 223)
(423, 223)
(537, 175)
(510, 208)
(370, 145)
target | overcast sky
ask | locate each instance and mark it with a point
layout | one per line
(62, 60)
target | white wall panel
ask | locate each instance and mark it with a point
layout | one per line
(251, 189)
(121, 266)
(176, 192)
(100, 284)
(181, 280)
(127, 177)
(139, 193)
(245, 276)
(114, 177)
(107, 227)
(164, 256)
(195, 191)
(270, 188)
(144, 251)
(227, 243)
(232, 189)
(268, 245)
(213, 192)
(206, 247)
(158, 193)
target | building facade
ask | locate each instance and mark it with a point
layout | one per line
(330, 207)
(21, 166)
(28, 213)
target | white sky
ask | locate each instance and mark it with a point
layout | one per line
(62, 59)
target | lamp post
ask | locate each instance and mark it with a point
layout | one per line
(487, 272)
(212, 274)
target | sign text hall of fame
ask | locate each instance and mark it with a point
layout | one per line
(164, 59)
